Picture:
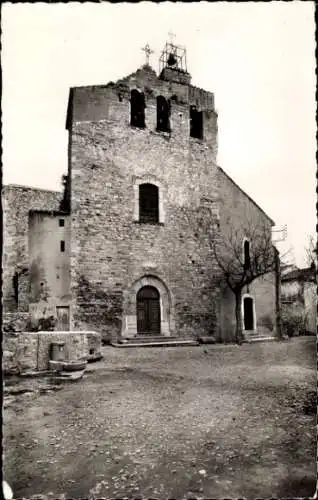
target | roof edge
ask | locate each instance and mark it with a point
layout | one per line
(31, 188)
(112, 83)
(300, 274)
(247, 195)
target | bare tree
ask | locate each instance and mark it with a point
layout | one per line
(311, 252)
(243, 261)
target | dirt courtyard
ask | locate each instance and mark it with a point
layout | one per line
(188, 422)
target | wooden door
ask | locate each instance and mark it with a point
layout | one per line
(148, 311)
(63, 318)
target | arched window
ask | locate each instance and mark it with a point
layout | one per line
(247, 258)
(163, 114)
(148, 203)
(196, 123)
(137, 109)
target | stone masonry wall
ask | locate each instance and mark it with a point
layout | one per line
(110, 250)
(111, 103)
(19, 352)
(28, 351)
(15, 322)
(16, 203)
(237, 210)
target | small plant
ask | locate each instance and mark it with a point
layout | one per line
(47, 324)
(42, 324)
(294, 324)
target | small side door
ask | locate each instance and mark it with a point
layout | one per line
(63, 318)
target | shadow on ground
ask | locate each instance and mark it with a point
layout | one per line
(292, 487)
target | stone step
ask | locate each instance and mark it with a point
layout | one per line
(162, 343)
(140, 339)
(259, 338)
(75, 375)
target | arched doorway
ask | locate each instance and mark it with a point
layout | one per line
(248, 312)
(166, 303)
(148, 311)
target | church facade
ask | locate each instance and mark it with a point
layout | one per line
(124, 252)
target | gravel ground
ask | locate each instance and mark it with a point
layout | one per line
(203, 422)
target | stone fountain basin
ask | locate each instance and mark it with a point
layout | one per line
(68, 366)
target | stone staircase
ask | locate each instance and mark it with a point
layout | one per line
(155, 341)
(262, 334)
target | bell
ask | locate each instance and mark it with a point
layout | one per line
(171, 60)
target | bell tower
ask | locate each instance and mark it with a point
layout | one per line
(173, 64)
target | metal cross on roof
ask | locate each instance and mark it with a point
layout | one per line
(147, 50)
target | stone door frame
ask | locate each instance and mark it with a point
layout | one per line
(129, 328)
(249, 296)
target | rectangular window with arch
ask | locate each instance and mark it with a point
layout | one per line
(247, 257)
(148, 203)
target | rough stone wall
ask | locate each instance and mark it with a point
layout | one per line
(111, 103)
(31, 351)
(109, 250)
(237, 210)
(15, 322)
(16, 203)
(19, 352)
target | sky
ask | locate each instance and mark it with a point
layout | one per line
(256, 57)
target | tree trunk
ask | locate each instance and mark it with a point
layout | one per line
(238, 316)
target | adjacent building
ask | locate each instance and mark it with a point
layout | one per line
(299, 299)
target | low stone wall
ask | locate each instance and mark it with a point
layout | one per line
(94, 341)
(76, 346)
(30, 351)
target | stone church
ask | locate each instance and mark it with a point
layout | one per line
(121, 251)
